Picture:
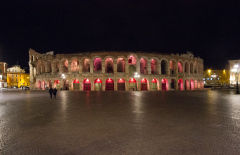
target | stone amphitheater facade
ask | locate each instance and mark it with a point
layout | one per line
(115, 71)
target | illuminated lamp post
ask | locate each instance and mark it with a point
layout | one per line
(136, 75)
(236, 70)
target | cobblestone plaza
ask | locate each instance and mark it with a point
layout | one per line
(119, 122)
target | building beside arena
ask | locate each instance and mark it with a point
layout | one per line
(16, 77)
(115, 71)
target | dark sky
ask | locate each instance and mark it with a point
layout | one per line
(210, 29)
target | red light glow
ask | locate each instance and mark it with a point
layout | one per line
(121, 81)
(132, 80)
(86, 81)
(75, 81)
(144, 81)
(98, 81)
(154, 81)
(109, 81)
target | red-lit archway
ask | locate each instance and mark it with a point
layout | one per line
(98, 85)
(186, 85)
(164, 84)
(180, 84)
(121, 84)
(76, 84)
(132, 84)
(56, 84)
(39, 84)
(109, 84)
(196, 84)
(144, 84)
(191, 84)
(43, 85)
(86, 84)
(154, 84)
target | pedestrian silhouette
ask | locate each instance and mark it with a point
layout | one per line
(55, 92)
(51, 92)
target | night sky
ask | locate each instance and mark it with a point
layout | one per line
(209, 29)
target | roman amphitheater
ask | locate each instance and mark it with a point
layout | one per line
(98, 71)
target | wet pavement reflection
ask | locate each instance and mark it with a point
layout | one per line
(160, 122)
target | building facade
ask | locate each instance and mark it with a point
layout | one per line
(216, 77)
(234, 66)
(3, 75)
(115, 71)
(17, 77)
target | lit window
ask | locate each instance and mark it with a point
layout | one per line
(203, 78)
(12, 75)
(210, 78)
(218, 78)
(12, 79)
(207, 78)
(16, 75)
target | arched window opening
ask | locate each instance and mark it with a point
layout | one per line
(49, 67)
(65, 85)
(154, 66)
(144, 84)
(164, 84)
(56, 84)
(98, 85)
(86, 65)
(86, 84)
(172, 84)
(172, 67)
(163, 67)
(191, 84)
(132, 61)
(75, 65)
(132, 84)
(97, 64)
(109, 84)
(109, 65)
(191, 67)
(186, 67)
(76, 84)
(154, 84)
(121, 84)
(180, 67)
(180, 84)
(143, 66)
(43, 67)
(120, 65)
(65, 66)
(39, 84)
(196, 84)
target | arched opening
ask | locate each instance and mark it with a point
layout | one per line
(191, 84)
(132, 84)
(75, 65)
(120, 65)
(143, 66)
(164, 84)
(76, 84)
(180, 84)
(56, 67)
(43, 67)
(191, 67)
(154, 84)
(86, 65)
(121, 84)
(172, 84)
(172, 67)
(44, 85)
(49, 67)
(97, 63)
(65, 66)
(65, 85)
(186, 85)
(154, 66)
(109, 65)
(180, 67)
(186, 67)
(98, 84)
(163, 67)
(56, 84)
(196, 84)
(39, 84)
(109, 84)
(144, 84)
(49, 84)
(86, 84)
(132, 61)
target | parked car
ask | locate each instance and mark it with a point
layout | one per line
(231, 86)
(15, 87)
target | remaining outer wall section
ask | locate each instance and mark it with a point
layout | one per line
(39, 61)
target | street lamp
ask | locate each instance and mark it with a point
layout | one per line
(236, 70)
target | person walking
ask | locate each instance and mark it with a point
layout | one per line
(55, 92)
(51, 92)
